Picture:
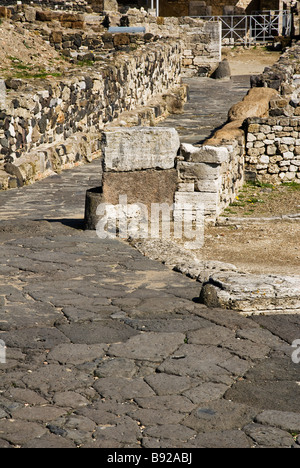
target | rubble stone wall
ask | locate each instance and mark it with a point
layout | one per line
(273, 143)
(202, 40)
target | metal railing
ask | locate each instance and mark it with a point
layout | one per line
(253, 29)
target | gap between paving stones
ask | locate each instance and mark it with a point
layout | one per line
(72, 324)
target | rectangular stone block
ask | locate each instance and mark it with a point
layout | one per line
(210, 186)
(139, 148)
(205, 154)
(144, 187)
(197, 199)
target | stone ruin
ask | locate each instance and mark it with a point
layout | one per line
(107, 109)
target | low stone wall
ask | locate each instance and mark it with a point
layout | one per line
(201, 39)
(86, 36)
(273, 149)
(50, 113)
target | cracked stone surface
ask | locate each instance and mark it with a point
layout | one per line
(108, 348)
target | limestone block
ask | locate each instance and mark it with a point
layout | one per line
(196, 200)
(252, 293)
(133, 149)
(198, 171)
(211, 186)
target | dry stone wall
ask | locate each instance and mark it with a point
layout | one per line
(273, 143)
(209, 175)
(46, 116)
(273, 149)
(201, 39)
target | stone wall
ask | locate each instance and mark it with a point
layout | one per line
(273, 149)
(86, 37)
(201, 39)
(43, 121)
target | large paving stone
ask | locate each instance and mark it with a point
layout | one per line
(164, 384)
(20, 432)
(287, 327)
(56, 378)
(202, 362)
(121, 389)
(76, 353)
(286, 421)
(223, 439)
(269, 437)
(173, 432)
(220, 415)
(34, 338)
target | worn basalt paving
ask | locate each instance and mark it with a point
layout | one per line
(107, 348)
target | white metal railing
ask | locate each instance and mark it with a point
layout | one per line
(253, 29)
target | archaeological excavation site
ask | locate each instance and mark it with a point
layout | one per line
(150, 226)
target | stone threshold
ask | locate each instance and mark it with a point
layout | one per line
(83, 148)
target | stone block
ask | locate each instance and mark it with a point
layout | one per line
(205, 154)
(248, 294)
(210, 186)
(30, 14)
(196, 200)
(198, 171)
(140, 148)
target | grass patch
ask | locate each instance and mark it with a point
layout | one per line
(254, 200)
(85, 63)
(292, 185)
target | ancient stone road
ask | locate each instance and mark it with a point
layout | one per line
(106, 348)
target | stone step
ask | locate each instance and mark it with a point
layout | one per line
(7, 181)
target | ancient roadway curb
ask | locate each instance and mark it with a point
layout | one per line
(223, 285)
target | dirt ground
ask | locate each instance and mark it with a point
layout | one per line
(24, 54)
(246, 237)
(266, 246)
(249, 61)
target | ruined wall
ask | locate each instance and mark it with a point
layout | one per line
(209, 175)
(273, 149)
(38, 122)
(214, 7)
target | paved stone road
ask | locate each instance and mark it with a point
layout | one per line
(208, 106)
(106, 348)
